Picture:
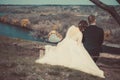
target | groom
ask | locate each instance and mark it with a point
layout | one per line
(93, 38)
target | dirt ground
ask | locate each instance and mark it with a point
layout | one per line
(17, 62)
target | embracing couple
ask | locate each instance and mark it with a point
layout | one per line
(76, 49)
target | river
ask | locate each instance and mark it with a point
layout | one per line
(16, 32)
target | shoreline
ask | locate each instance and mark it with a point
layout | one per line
(7, 23)
(19, 41)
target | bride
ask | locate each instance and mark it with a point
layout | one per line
(71, 53)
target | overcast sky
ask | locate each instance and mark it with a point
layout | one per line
(63, 2)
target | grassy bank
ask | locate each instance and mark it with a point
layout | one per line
(17, 62)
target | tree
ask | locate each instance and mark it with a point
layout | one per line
(110, 9)
(118, 1)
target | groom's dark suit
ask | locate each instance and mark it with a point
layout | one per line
(92, 39)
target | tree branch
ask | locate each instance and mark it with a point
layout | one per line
(102, 5)
(118, 1)
(108, 8)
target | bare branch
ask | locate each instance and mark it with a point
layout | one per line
(108, 8)
(103, 5)
(118, 1)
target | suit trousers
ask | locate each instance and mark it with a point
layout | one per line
(94, 55)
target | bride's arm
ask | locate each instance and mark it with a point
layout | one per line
(79, 38)
(78, 41)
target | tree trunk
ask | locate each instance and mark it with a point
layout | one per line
(109, 9)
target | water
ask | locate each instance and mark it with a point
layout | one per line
(16, 32)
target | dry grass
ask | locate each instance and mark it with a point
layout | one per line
(17, 63)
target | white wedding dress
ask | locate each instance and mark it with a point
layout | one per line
(71, 53)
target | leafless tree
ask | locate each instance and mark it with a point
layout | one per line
(118, 1)
(110, 9)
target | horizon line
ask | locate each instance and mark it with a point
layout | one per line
(51, 5)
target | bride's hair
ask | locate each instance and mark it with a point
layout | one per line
(82, 25)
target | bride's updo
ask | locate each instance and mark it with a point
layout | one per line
(82, 25)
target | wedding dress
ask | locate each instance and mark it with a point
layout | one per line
(71, 53)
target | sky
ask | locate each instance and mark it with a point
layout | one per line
(63, 2)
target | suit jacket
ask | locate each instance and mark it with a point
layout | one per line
(93, 38)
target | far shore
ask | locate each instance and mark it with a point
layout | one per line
(16, 25)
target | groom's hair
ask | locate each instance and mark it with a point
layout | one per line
(82, 25)
(91, 19)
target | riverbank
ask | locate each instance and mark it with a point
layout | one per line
(41, 19)
(17, 62)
